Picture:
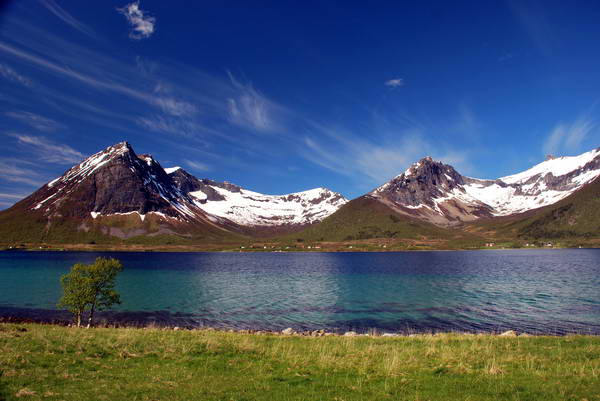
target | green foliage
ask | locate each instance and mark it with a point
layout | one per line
(90, 287)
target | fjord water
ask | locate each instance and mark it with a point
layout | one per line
(537, 291)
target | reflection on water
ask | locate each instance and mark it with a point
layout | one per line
(548, 291)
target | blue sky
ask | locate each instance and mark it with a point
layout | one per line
(286, 96)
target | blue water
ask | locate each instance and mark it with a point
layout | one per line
(538, 291)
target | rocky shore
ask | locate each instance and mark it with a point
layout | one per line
(286, 332)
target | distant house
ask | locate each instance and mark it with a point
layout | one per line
(489, 244)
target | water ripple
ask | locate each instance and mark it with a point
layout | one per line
(539, 291)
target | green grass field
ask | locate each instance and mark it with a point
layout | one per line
(39, 362)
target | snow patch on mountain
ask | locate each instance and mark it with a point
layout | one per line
(141, 215)
(250, 208)
(556, 166)
(543, 184)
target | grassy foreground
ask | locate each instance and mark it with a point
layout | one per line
(60, 363)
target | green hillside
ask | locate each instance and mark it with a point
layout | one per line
(577, 216)
(20, 226)
(365, 218)
(573, 218)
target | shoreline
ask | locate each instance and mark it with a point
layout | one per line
(288, 332)
(186, 249)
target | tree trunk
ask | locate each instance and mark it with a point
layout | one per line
(91, 316)
(78, 319)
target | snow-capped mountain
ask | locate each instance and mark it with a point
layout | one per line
(124, 194)
(112, 182)
(248, 208)
(436, 192)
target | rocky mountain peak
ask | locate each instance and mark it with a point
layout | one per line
(422, 181)
(436, 192)
(113, 181)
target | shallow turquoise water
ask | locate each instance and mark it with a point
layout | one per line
(547, 291)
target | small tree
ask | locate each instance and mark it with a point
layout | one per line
(90, 287)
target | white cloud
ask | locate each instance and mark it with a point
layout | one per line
(250, 108)
(13, 171)
(67, 18)
(12, 196)
(7, 200)
(376, 162)
(197, 166)
(168, 104)
(175, 107)
(394, 83)
(34, 120)
(49, 151)
(569, 137)
(80, 76)
(12, 75)
(142, 25)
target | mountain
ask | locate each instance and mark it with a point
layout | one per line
(114, 181)
(366, 218)
(431, 203)
(572, 219)
(435, 192)
(117, 194)
(113, 194)
(252, 209)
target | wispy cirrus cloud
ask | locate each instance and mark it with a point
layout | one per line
(166, 103)
(49, 151)
(175, 107)
(196, 166)
(7, 199)
(20, 171)
(11, 75)
(12, 196)
(569, 137)
(61, 13)
(534, 19)
(142, 24)
(34, 120)
(251, 109)
(394, 83)
(346, 153)
(185, 96)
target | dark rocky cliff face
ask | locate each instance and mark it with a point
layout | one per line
(187, 183)
(115, 180)
(422, 190)
(421, 183)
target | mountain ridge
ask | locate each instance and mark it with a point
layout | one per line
(116, 194)
(119, 193)
(436, 192)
